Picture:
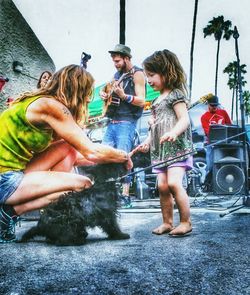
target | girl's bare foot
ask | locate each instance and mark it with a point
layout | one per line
(162, 229)
(183, 229)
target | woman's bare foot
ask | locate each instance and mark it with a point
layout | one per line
(163, 229)
(183, 229)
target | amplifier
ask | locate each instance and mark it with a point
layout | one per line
(220, 132)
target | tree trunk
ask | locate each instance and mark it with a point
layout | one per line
(232, 106)
(192, 47)
(122, 37)
(217, 67)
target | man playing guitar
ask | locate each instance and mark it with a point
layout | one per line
(125, 105)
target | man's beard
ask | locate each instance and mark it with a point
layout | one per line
(123, 68)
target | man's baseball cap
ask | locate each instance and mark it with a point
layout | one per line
(213, 101)
(121, 49)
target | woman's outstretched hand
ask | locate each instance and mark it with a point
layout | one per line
(143, 147)
(129, 164)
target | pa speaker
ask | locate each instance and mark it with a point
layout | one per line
(228, 179)
(228, 153)
(223, 132)
(228, 170)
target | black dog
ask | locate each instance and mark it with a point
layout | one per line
(64, 222)
(141, 160)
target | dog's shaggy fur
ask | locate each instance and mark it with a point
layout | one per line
(141, 160)
(65, 221)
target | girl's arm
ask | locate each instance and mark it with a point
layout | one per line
(182, 124)
(144, 146)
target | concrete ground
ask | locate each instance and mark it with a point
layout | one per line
(213, 260)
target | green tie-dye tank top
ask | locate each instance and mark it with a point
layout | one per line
(20, 140)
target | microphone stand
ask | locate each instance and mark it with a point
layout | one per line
(242, 108)
(246, 199)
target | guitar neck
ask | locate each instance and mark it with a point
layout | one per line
(203, 99)
(195, 104)
(115, 100)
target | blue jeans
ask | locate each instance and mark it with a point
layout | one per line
(9, 182)
(209, 159)
(120, 135)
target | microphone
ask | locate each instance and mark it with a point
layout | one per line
(236, 34)
(85, 57)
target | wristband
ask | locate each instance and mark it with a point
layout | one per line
(129, 98)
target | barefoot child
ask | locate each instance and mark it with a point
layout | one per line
(169, 136)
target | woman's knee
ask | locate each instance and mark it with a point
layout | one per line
(67, 150)
(68, 157)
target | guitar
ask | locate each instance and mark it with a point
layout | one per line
(109, 90)
(203, 99)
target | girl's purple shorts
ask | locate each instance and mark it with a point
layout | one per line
(187, 164)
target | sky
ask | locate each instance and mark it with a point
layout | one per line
(66, 28)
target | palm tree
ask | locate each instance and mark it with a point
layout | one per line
(232, 70)
(246, 98)
(192, 47)
(220, 29)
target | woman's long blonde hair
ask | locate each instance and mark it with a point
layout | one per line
(72, 86)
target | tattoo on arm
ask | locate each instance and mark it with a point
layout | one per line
(66, 111)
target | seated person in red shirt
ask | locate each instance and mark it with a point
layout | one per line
(214, 115)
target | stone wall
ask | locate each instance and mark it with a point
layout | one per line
(19, 43)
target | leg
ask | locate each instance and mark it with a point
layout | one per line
(209, 159)
(125, 133)
(33, 194)
(167, 205)
(109, 135)
(111, 227)
(45, 186)
(39, 189)
(59, 156)
(175, 177)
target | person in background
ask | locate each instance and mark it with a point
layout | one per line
(43, 79)
(169, 139)
(34, 171)
(125, 107)
(212, 116)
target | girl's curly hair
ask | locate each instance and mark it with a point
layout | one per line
(166, 64)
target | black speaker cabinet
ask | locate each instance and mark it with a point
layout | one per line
(228, 169)
(221, 132)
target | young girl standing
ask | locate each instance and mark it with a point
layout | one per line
(169, 137)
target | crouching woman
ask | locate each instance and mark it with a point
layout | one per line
(35, 170)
